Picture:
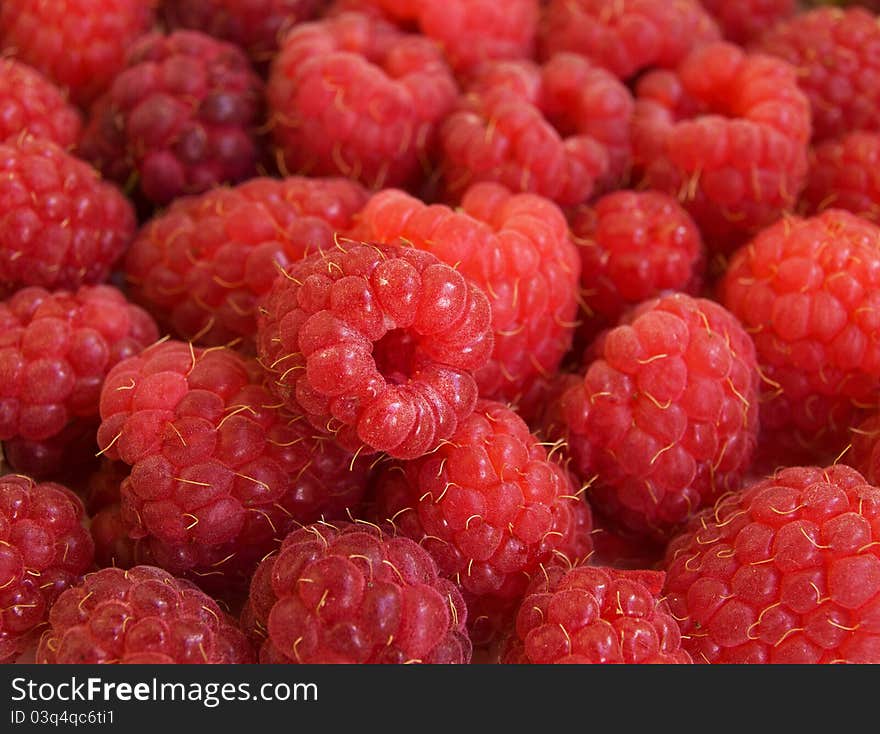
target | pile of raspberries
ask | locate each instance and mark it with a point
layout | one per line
(439, 331)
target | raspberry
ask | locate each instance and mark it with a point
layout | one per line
(30, 102)
(593, 615)
(665, 418)
(253, 25)
(561, 130)
(806, 290)
(60, 225)
(350, 593)
(143, 615)
(79, 44)
(202, 265)
(786, 571)
(863, 454)
(844, 175)
(742, 22)
(516, 247)
(43, 549)
(633, 246)
(219, 472)
(354, 96)
(727, 133)
(377, 345)
(838, 68)
(181, 117)
(626, 36)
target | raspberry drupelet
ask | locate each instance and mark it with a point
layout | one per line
(517, 248)
(727, 133)
(352, 593)
(665, 419)
(785, 571)
(61, 226)
(807, 292)
(202, 266)
(745, 20)
(354, 96)
(594, 615)
(377, 345)
(44, 549)
(560, 130)
(181, 117)
(140, 616)
(219, 471)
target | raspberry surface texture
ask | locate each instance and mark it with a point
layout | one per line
(354, 96)
(61, 226)
(202, 266)
(665, 419)
(140, 616)
(594, 615)
(377, 345)
(745, 20)
(351, 593)
(180, 118)
(726, 132)
(517, 249)
(561, 130)
(44, 549)
(786, 571)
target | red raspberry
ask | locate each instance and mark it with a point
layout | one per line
(60, 225)
(350, 593)
(594, 615)
(633, 246)
(517, 248)
(786, 571)
(354, 96)
(143, 615)
(219, 472)
(254, 25)
(665, 419)
(744, 20)
(181, 117)
(834, 50)
(44, 548)
(30, 102)
(377, 345)
(561, 130)
(807, 290)
(844, 175)
(202, 265)
(79, 44)
(627, 36)
(727, 133)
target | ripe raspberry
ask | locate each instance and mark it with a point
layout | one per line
(742, 22)
(627, 36)
(838, 67)
(254, 25)
(60, 225)
(79, 44)
(181, 117)
(377, 345)
(594, 615)
(807, 291)
(665, 419)
(786, 571)
(561, 130)
(43, 549)
(727, 133)
(633, 246)
(516, 247)
(844, 175)
(202, 265)
(143, 615)
(350, 593)
(219, 472)
(354, 96)
(30, 102)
